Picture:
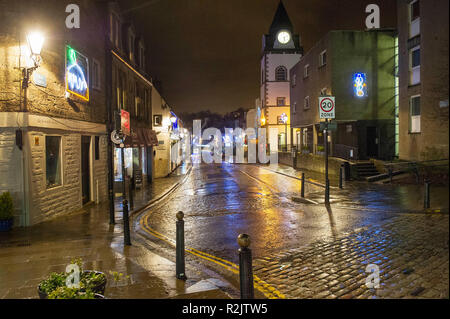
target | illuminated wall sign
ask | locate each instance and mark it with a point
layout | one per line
(77, 73)
(360, 84)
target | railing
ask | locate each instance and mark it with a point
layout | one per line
(415, 166)
(345, 152)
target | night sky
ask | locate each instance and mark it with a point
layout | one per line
(207, 53)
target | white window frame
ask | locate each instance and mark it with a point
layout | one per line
(294, 80)
(306, 71)
(414, 71)
(306, 103)
(321, 55)
(414, 117)
(414, 25)
(294, 109)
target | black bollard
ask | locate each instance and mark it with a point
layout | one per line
(126, 224)
(180, 267)
(130, 192)
(245, 267)
(340, 176)
(426, 201)
(327, 191)
(302, 190)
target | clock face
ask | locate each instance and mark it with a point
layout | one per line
(284, 37)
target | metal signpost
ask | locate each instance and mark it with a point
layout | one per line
(326, 111)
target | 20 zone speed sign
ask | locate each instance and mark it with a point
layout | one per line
(326, 107)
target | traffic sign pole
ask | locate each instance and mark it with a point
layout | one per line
(327, 182)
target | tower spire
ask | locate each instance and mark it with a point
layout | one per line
(280, 20)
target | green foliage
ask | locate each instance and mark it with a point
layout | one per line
(71, 293)
(6, 206)
(57, 281)
(54, 281)
(117, 276)
(320, 148)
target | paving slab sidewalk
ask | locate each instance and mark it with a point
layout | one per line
(28, 255)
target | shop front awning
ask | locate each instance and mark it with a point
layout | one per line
(141, 137)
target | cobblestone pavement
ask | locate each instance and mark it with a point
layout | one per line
(411, 251)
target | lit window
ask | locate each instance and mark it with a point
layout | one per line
(53, 161)
(157, 120)
(281, 101)
(280, 73)
(323, 58)
(414, 114)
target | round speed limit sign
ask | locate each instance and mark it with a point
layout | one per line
(326, 107)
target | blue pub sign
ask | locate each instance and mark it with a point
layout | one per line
(77, 74)
(360, 84)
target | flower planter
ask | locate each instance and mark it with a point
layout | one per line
(98, 289)
(6, 224)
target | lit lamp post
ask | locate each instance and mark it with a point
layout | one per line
(35, 40)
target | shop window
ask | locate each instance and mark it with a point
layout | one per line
(53, 161)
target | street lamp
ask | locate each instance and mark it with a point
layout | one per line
(173, 119)
(35, 40)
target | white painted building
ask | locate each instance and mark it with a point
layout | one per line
(281, 50)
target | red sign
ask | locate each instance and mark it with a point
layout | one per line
(125, 122)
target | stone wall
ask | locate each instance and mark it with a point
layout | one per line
(311, 162)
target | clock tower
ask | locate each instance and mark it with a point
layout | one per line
(281, 50)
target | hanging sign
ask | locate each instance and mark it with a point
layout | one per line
(125, 122)
(77, 76)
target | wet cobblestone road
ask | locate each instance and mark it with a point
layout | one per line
(312, 251)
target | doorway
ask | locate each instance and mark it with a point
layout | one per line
(372, 141)
(85, 168)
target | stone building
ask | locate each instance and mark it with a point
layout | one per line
(357, 68)
(53, 141)
(423, 79)
(281, 50)
(131, 91)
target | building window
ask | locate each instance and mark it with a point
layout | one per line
(114, 30)
(142, 57)
(280, 73)
(323, 58)
(306, 71)
(414, 65)
(97, 147)
(306, 103)
(414, 114)
(53, 161)
(95, 74)
(281, 101)
(414, 18)
(294, 110)
(157, 120)
(131, 45)
(294, 80)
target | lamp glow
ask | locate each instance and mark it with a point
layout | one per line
(35, 41)
(173, 119)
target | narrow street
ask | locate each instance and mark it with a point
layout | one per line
(294, 243)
